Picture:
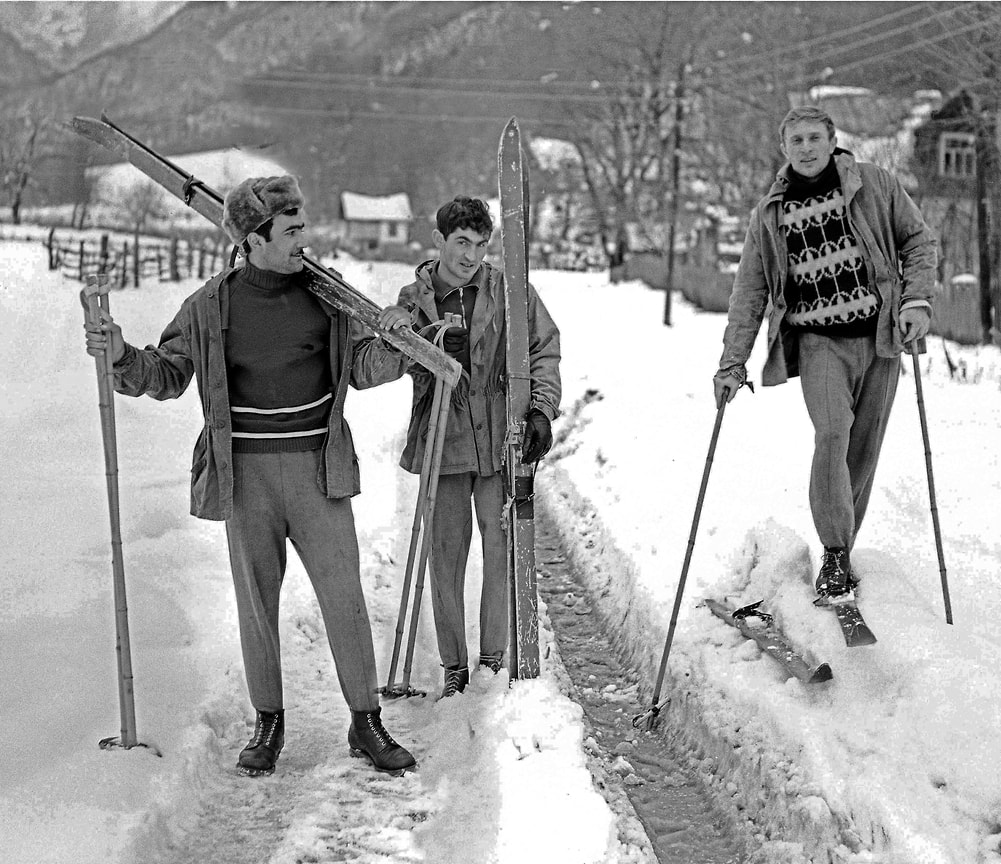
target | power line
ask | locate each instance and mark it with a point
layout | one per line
(343, 114)
(820, 40)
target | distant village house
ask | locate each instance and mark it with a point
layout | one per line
(374, 222)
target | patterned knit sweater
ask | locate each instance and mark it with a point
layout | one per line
(827, 290)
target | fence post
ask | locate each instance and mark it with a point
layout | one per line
(136, 264)
(174, 264)
(201, 258)
(53, 251)
(103, 255)
(125, 263)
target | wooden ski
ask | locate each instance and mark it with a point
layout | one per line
(512, 178)
(759, 626)
(327, 284)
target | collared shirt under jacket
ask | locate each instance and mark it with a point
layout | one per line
(477, 420)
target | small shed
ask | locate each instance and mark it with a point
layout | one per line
(375, 221)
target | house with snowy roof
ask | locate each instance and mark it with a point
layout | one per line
(376, 221)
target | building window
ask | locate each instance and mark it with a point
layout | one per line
(957, 155)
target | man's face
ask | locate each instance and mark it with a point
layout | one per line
(807, 147)
(460, 254)
(283, 252)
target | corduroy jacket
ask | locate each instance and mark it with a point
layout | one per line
(193, 344)
(896, 244)
(474, 436)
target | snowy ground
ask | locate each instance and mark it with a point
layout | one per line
(893, 761)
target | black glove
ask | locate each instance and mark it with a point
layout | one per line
(538, 437)
(454, 341)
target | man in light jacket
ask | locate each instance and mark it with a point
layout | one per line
(840, 257)
(460, 283)
(275, 458)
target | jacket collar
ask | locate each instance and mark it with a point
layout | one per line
(848, 174)
(426, 295)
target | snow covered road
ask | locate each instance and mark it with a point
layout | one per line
(893, 761)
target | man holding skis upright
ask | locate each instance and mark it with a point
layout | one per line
(275, 458)
(459, 286)
(843, 260)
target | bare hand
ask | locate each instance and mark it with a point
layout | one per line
(914, 323)
(394, 318)
(99, 326)
(725, 389)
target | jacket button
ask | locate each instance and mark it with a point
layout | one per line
(479, 425)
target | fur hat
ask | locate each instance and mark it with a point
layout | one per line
(257, 199)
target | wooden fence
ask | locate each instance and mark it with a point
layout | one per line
(129, 263)
(955, 307)
(956, 311)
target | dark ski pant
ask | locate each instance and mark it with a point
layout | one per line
(276, 497)
(451, 534)
(848, 391)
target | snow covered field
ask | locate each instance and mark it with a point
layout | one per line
(893, 761)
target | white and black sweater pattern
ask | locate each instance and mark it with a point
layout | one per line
(826, 270)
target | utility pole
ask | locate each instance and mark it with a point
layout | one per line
(679, 117)
(985, 166)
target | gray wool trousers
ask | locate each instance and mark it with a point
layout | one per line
(276, 498)
(451, 534)
(848, 391)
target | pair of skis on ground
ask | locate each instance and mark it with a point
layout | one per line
(756, 624)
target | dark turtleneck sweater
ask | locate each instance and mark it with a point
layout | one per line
(277, 363)
(828, 288)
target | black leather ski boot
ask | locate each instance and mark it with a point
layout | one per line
(835, 572)
(368, 737)
(259, 756)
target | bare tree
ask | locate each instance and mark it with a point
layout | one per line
(22, 147)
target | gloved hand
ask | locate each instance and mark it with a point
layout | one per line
(538, 437)
(454, 341)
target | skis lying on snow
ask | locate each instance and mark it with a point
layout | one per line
(853, 626)
(759, 626)
(519, 511)
(326, 283)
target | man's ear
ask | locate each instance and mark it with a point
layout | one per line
(438, 239)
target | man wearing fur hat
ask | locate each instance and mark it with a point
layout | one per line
(275, 457)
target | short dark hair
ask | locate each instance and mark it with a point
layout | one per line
(464, 212)
(807, 113)
(264, 229)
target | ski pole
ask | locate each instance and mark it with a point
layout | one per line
(445, 399)
(931, 482)
(651, 713)
(423, 514)
(96, 293)
(420, 518)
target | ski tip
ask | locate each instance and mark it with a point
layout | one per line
(821, 673)
(511, 126)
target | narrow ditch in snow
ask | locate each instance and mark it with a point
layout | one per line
(677, 812)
